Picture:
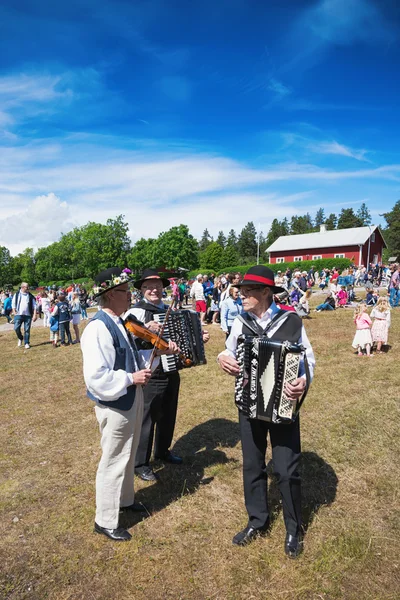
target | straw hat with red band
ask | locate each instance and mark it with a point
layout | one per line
(260, 276)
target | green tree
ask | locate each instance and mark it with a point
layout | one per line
(392, 231)
(206, 239)
(277, 229)
(247, 243)
(221, 239)
(24, 267)
(6, 269)
(211, 257)
(177, 248)
(232, 238)
(143, 255)
(364, 215)
(319, 218)
(230, 257)
(348, 219)
(302, 224)
(331, 222)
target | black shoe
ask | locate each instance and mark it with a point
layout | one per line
(293, 545)
(118, 535)
(146, 473)
(135, 507)
(168, 457)
(248, 535)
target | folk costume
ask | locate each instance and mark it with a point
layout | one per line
(110, 358)
(285, 439)
(160, 396)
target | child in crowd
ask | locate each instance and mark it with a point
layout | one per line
(53, 321)
(363, 338)
(63, 312)
(45, 303)
(342, 297)
(380, 327)
(372, 297)
(303, 307)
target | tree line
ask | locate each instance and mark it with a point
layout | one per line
(86, 250)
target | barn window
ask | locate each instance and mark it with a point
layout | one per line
(297, 258)
(373, 237)
(316, 257)
(339, 256)
(280, 259)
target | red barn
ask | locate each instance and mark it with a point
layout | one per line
(360, 244)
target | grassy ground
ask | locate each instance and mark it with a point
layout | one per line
(50, 449)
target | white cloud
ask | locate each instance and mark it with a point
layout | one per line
(278, 88)
(38, 225)
(336, 148)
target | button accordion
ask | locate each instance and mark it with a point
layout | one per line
(184, 328)
(265, 367)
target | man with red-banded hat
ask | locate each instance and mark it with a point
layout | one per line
(262, 317)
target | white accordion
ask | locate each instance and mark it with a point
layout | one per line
(265, 367)
(184, 328)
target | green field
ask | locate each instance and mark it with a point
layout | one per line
(183, 550)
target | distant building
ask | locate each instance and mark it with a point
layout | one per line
(358, 244)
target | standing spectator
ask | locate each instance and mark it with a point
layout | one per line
(182, 290)
(303, 281)
(394, 288)
(63, 312)
(75, 306)
(215, 301)
(175, 293)
(24, 309)
(83, 299)
(197, 294)
(208, 287)
(342, 297)
(7, 306)
(230, 309)
(54, 324)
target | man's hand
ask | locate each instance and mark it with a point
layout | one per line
(172, 349)
(141, 377)
(206, 336)
(295, 390)
(34, 317)
(228, 364)
(153, 326)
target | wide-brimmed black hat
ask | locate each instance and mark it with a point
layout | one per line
(150, 274)
(261, 275)
(109, 279)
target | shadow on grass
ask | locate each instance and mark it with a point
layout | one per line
(318, 485)
(200, 448)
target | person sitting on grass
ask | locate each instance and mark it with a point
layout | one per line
(328, 304)
(303, 307)
(371, 298)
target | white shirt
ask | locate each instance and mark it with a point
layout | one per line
(23, 304)
(99, 359)
(140, 313)
(231, 342)
(197, 291)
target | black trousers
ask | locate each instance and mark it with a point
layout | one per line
(285, 443)
(159, 415)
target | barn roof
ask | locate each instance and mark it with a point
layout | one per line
(323, 239)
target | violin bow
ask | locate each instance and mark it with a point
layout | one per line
(161, 331)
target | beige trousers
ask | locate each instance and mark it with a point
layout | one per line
(120, 434)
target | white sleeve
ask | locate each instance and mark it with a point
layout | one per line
(231, 342)
(139, 313)
(304, 341)
(98, 364)
(145, 355)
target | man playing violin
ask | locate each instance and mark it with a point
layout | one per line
(115, 373)
(161, 394)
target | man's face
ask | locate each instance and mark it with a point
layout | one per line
(24, 288)
(253, 297)
(152, 290)
(120, 299)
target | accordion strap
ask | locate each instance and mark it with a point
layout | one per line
(252, 324)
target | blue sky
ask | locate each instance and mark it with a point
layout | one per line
(210, 114)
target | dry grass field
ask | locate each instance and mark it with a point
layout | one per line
(183, 549)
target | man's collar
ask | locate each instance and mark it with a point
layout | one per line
(269, 313)
(159, 305)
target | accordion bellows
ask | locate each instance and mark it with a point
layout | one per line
(184, 328)
(265, 367)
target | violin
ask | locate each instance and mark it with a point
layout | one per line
(139, 330)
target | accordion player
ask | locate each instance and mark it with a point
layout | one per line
(184, 328)
(265, 367)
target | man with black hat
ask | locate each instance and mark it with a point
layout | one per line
(257, 289)
(161, 394)
(115, 373)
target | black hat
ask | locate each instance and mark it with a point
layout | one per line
(150, 274)
(260, 275)
(109, 279)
